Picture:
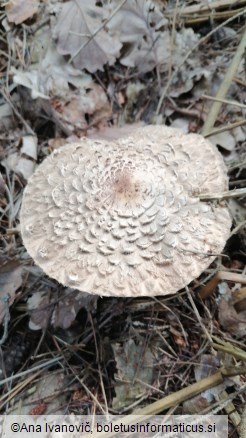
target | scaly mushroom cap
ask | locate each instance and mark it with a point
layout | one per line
(124, 218)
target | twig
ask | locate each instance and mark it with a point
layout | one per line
(238, 227)
(5, 398)
(237, 165)
(219, 405)
(176, 398)
(47, 364)
(228, 348)
(226, 128)
(237, 193)
(230, 409)
(105, 412)
(5, 299)
(186, 112)
(207, 334)
(212, 116)
(238, 182)
(227, 102)
(185, 393)
(17, 113)
(243, 424)
(10, 198)
(172, 42)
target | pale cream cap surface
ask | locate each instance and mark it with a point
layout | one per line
(124, 218)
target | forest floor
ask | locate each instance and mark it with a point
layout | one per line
(100, 69)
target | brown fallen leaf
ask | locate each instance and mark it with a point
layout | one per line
(20, 10)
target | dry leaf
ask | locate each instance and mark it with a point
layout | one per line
(230, 320)
(224, 139)
(139, 25)
(2, 185)
(233, 322)
(24, 162)
(134, 364)
(20, 10)
(208, 366)
(29, 146)
(49, 391)
(68, 307)
(136, 33)
(185, 78)
(77, 35)
(60, 312)
(49, 74)
(6, 117)
(39, 307)
(51, 81)
(28, 156)
(185, 40)
(82, 108)
(10, 281)
(181, 123)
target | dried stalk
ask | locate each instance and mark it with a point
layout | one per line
(226, 128)
(243, 424)
(187, 393)
(227, 102)
(237, 193)
(178, 397)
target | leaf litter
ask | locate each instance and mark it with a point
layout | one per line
(91, 68)
(19, 11)
(79, 33)
(10, 282)
(135, 368)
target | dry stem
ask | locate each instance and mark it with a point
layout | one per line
(237, 193)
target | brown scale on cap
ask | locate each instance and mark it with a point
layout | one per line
(124, 218)
(125, 187)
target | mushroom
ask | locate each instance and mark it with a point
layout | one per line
(124, 218)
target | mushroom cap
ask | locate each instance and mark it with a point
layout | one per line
(124, 218)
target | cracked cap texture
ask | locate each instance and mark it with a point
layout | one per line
(124, 218)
